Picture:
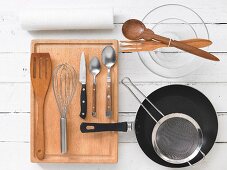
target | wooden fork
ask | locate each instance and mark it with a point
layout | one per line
(40, 70)
(140, 45)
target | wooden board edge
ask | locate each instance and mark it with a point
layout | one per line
(111, 159)
(43, 41)
(108, 160)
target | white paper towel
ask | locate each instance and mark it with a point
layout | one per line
(66, 19)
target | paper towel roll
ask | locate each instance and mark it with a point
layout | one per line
(66, 19)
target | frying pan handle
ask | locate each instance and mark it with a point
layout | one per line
(103, 127)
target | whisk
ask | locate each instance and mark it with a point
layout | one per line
(64, 86)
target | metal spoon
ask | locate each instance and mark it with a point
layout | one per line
(108, 59)
(94, 68)
(134, 30)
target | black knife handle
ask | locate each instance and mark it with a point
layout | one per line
(83, 102)
(103, 127)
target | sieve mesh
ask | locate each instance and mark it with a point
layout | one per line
(177, 138)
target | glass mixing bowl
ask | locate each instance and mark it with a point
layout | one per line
(179, 23)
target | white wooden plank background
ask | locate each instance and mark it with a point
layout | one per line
(211, 79)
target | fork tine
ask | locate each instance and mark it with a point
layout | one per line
(32, 64)
(43, 68)
(40, 65)
(139, 48)
(140, 43)
(131, 41)
(129, 50)
(45, 71)
(142, 46)
(45, 65)
(136, 43)
(35, 65)
(129, 46)
(48, 65)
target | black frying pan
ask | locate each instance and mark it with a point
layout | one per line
(169, 99)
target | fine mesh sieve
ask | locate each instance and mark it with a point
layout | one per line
(176, 138)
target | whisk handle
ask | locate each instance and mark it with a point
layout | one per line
(63, 124)
(83, 102)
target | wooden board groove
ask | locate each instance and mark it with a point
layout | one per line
(82, 148)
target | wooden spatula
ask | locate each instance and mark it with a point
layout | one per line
(40, 70)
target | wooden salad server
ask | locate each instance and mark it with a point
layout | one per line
(134, 30)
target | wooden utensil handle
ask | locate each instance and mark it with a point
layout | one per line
(94, 101)
(193, 50)
(108, 99)
(40, 143)
(198, 42)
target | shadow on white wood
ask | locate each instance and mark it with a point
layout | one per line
(131, 157)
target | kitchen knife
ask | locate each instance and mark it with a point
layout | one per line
(82, 79)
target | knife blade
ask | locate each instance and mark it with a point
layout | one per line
(82, 79)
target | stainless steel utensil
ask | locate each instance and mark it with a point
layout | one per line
(64, 86)
(94, 68)
(108, 59)
(83, 95)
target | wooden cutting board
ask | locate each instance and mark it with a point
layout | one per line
(82, 148)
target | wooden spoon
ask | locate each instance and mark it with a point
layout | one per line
(40, 70)
(134, 30)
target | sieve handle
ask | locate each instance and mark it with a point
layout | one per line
(103, 127)
(126, 80)
(201, 153)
